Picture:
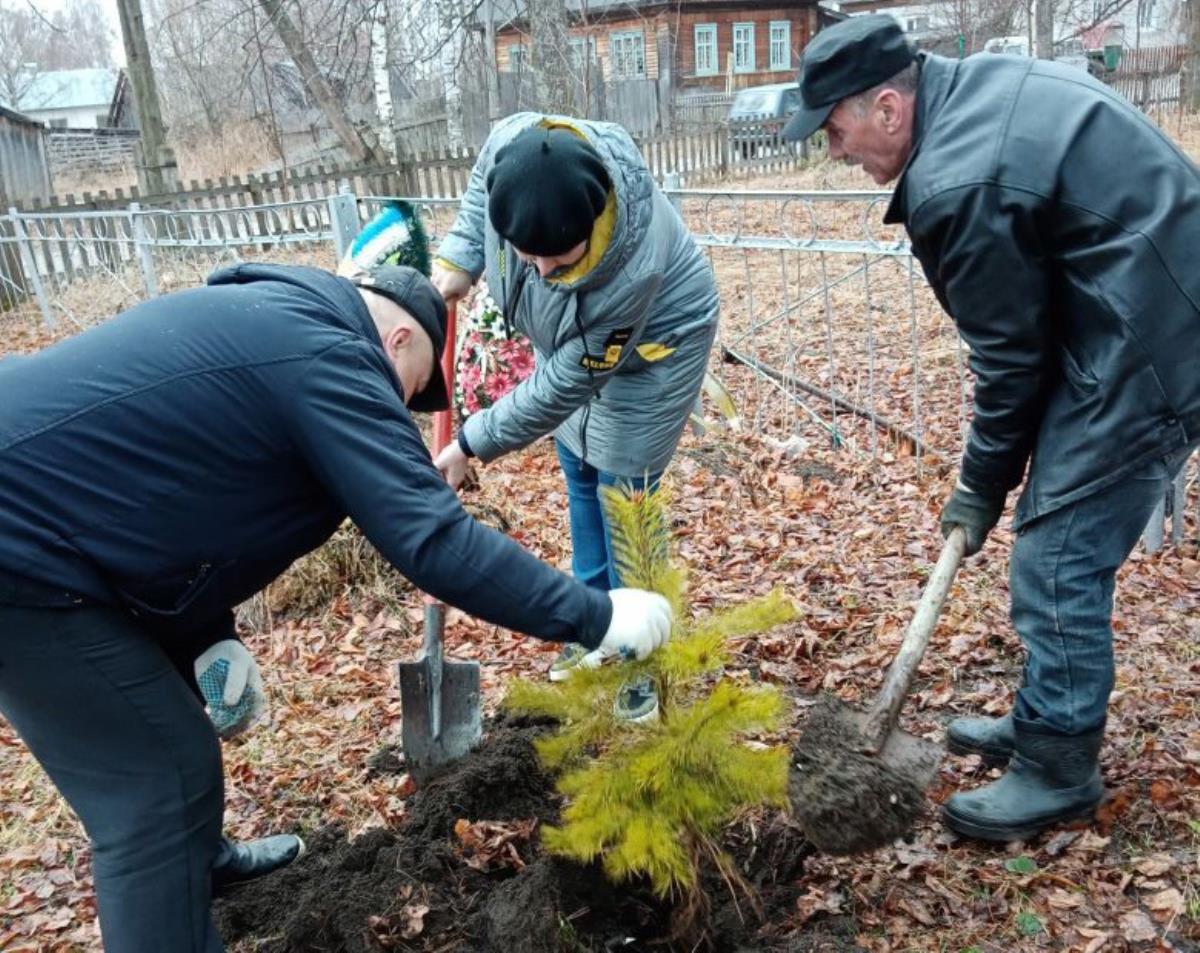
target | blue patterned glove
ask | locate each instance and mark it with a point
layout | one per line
(232, 687)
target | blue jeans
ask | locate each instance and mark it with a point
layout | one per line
(591, 545)
(1061, 580)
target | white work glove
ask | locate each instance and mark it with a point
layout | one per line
(641, 623)
(232, 687)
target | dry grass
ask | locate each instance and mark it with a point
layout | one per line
(346, 567)
(237, 149)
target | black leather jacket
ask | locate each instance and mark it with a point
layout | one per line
(1060, 228)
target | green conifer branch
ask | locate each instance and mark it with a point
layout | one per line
(649, 800)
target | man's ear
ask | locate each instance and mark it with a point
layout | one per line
(889, 109)
(398, 338)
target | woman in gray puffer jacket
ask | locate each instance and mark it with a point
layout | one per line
(589, 259)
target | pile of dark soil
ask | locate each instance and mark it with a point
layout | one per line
(413, 889)
(844, 800)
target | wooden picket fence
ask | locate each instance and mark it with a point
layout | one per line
(697, 157)
(1151, 77)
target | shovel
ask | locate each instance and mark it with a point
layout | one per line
(861, 780)
(439, 699)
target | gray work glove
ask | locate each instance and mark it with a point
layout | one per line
(232, 687)
(974, 512)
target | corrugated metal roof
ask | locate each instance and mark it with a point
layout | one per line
(68, 89)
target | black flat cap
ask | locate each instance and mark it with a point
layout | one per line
(842, 60)
(416, 294)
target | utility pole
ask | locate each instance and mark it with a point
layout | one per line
(1044, 19)
(493, 71)
(157, 172)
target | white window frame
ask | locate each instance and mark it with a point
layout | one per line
(746, 30)
(780, 41)
(518, 56)
(578, 45)
(709, 32)
(619, 55)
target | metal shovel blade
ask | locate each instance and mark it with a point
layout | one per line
(439, 701)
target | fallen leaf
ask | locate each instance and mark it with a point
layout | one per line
(1096, 943)
(414, 920)
(1154, 866)
(1137, 927)
(1168, 901)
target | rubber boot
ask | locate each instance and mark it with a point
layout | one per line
(992, 739)
(238, 863)
(1050, 778)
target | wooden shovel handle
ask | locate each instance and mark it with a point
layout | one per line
(442, 423)
(881, 719)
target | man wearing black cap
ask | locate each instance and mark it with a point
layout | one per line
(588, 258)
(157, 470)
(1059, 228)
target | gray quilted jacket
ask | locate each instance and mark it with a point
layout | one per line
(622, 349)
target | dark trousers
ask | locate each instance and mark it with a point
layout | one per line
(126, 741)
(1061, 578)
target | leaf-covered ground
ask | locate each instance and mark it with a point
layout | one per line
(852, 541)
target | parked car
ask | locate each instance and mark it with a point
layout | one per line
(758, 115)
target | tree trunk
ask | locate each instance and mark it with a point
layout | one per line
(450, 34)
(551, 55)
(316, 83)
(380, 63)
(1191, 92)
(158, 173)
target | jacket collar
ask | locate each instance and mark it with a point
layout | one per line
(937, 79)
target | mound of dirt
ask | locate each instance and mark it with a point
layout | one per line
(422, 887)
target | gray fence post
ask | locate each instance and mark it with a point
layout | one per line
(141, 242)
(672, 183)
(343, 218)
(30, 266)
(1152, 536)
(1178, 502)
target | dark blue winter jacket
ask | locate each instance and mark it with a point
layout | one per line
(176, 459)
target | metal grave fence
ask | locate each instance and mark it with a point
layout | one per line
(829, 332)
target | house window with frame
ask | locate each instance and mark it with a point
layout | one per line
(1145, 14)
(518, 57)
(743, 47)
(781, 45)
(583, 50)
(707, 61)
(57, 123)
(627, 50)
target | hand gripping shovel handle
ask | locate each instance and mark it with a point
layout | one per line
(435, 612)
(881, 719)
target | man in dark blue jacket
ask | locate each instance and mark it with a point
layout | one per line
(159, 469)
(1059, 228)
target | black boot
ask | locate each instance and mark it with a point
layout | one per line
(991, 738)
(1051, 778)
(238, 863)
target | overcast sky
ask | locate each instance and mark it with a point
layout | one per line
(114, 22)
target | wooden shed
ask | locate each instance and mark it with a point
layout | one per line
(24, 164)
